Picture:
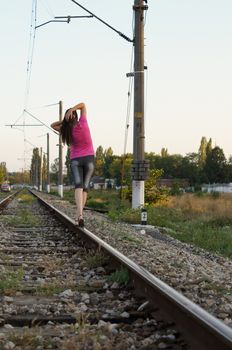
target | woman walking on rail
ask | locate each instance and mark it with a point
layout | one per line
(76, 134)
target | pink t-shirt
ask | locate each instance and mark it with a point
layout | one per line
(81, 139)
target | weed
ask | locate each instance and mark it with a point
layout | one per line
(130, 215)
(25, 218)
(10, 280)
(26, 198)
(4, 257)
(50, 289)
(219, 289)
(120, 276)
(96, 260)
(28, 337)
(87, 339)
(130, 239)
(113, 215)
(98, 203)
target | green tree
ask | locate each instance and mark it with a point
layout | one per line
(153, 193)
(209, 147)
(3, 172)
(120, 170)
(107, 160)
(55, 170)
(164, 152)
(68, 166)
(229, 169)
(202, 152)
(44, 171)
(190, 169)
(99, 161)
(35, 167)
(216, 166)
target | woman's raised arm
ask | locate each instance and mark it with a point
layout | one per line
(81, 106)
(56, 125)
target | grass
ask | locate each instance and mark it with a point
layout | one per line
(77, 336)
(10, 280)
(25, 197)
(87, 338)
(95, 260)
(120, 276)
(50, 289)
(24, 217)
(128, 238)
(31, 338)
(28, 337)
(204, 220)
(99, 199)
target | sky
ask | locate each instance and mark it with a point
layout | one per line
(188, 83)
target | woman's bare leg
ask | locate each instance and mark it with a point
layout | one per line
(85, 195)
(79, 202)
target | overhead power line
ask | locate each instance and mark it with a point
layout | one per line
(41, 122)
(30, 50)
(58, 19)
(34, 117)
(102, 21)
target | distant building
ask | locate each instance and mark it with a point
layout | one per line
(100, 183)
(97, 183)
(222, 188)
(169, 183)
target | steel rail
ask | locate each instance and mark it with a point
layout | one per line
(6, 200)
(202, 330)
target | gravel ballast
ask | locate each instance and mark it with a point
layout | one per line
(203, 277)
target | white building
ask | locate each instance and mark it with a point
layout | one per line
(223, 188)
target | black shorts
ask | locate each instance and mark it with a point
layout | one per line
(82, 170)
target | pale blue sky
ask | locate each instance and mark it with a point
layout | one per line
(189, 79)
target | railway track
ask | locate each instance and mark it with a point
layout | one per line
(64, 288)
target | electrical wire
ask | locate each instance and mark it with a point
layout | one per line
(30, 50)
(128, 114)
(48, 8)
(102, 21)
(29, 61)
(17, 120)
(29, 67)
(131, 81)
(34, 146)
(45, 106)
(129, 93)
(41, 122)
(146, 93)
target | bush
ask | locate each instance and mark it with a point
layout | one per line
(214, 195)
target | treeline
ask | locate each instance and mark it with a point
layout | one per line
(13, 177)
(207, 165)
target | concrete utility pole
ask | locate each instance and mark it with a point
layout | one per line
(60, 177)
(48, 165)
(139, 166)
